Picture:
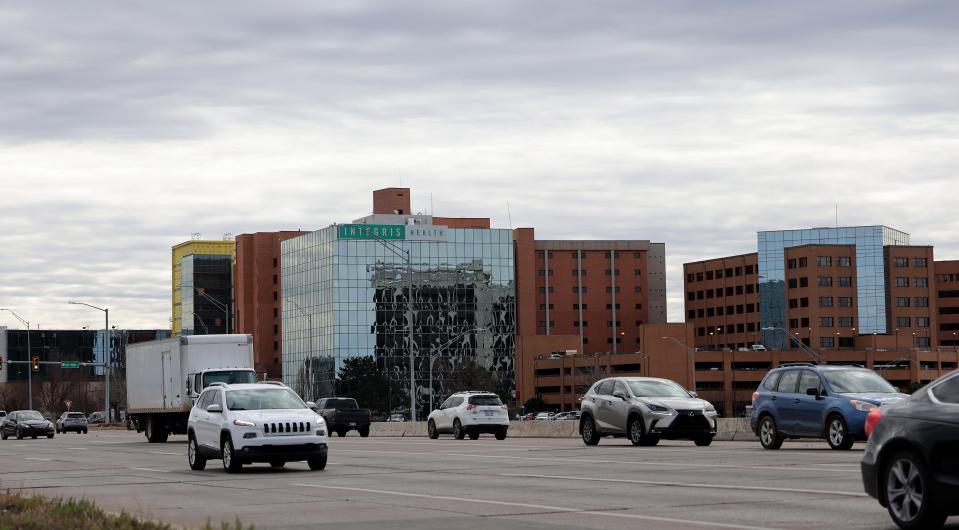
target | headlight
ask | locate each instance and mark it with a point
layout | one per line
(657, 409)
(320, 420)
(862, 406)
(710, 409)
(243, 423)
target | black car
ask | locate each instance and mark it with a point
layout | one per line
(22, 423)
(911, 464)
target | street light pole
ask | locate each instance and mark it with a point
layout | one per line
(692, 358)
(433, 357)
(107, 361)
(29, 368)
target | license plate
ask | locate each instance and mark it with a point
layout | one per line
(490, 413)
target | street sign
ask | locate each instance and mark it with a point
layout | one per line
(70, 364)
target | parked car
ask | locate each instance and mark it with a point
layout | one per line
(97, 417)
(254, 422)
(645, 409)
(560, 416)
(22, 423)
(911, 465)
(469, 413)
(806, 400)
(530, 417)
(396, 418)
(72, 421)
(543, 416)
(758, 347)
(343, 414)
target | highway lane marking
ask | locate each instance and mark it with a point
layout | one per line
(563, 509)
(150, 469)
(162, 453)
(405, 453)
(690, 485)
(77, 449)
(39, 459)
(659, 464)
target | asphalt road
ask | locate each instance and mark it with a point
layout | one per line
(379, 483)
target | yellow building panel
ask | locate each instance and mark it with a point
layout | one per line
(187, 248)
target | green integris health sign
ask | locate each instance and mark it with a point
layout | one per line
(372, 232)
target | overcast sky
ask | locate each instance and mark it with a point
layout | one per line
(125, 127)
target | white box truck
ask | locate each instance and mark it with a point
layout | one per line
(164, 377)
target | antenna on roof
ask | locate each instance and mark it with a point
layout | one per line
(509, 216)
(195, 236)
(837, 215)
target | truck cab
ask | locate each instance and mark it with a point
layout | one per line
(196, 382)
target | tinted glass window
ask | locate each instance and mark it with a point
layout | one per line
(275, 398)
(857, 381)
(605, 388)
(340, 404)
(618, 386)
(204, 400)
(75, 415)
(948, 391)
(447, 404)
(787, 383)
(457, 401)
(808, 380)
(771, 381)
(485, 401)
(230, 378)
(657, 389)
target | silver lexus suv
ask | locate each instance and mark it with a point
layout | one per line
(645, 409)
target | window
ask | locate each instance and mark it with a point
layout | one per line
(639, 323)
(739, 309)
(691, 313)
(750, 308)
(824, 261)
(749, 269)
(920, 263)
(845, 301)
(719, 274)
(793, 283)
(825, 322)
(803, 262)
(824, 281)
(902, 301)
(923, 342)
(809, 380)
(788, 382)
(637, 272)
(845, 322)
(845, 281)
(574, 255)
(699, 312)
(609, 323)
(791, 263)
(739, 289)
(902, 262)
(902, 281)
(921, 282)
(579, 272)
(729, 291)
(576, 323)
(750, 327)
(826, 342)
(729, 272)
(638, 289)
(804, 282)
(577, 290)
(922, 301)
(709, 294)
(543, 289)
(611, 272)
(922, 322)
(903, 322)
(640, 306)
(577, 306)
(690, 278)
(710, 312)
(947, 391)
(739, 271)
(719, 311)
(709, 275)
(750, 288)
(793, 323)
(610, 306)
(699, 295)
(543, 306)
(825, 301)
(793, 303)
(844, 261)
(804, 322)
(611, 254)
(608, 289)
(637, 255)
(804, 302)
(772, 381)
(699, 276)
(545, 272)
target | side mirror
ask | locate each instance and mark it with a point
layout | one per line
(620, 394)
(215, 407)
(693, 394)
(813, 392)
(311, 404)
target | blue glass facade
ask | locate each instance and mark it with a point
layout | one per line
(870, 273)
(356, 292)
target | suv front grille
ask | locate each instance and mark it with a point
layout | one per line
(284, 428)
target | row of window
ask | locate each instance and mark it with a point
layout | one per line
(824, 301)
(821, 261)
(906, 322)
(720, 311)
(576, 254)
(903, 281)
(718, 274)
(919, 263)
(582, 272)
(947, 277)
(585, 289)
(542, 307)
(749, 327)
(821, 281)
(904, 301)
(585, 323)
(719, 292)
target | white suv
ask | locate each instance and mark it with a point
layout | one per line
(470, 413)
(261, 422)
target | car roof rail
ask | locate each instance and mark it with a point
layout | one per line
(797, 363)
(277, 383)
(216, 383)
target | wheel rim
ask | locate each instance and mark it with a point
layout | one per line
(457, 428)
(836, 432)
(588, 430)
(767, 432)
(635, 431)
(432, 429)
(191, 451)
(904, 490)
(227, 456)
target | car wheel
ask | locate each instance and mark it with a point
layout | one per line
(341, 433)
(19, 434)
(769, 436)
(34, 436)
(501, 434)
(84, 431)
(431, 430)
(587, 428)
(635, 430)
(837, 434)
(231, 463)
(474, 436)
(458, 431)
(650, 441)
(317, 463)
(277, 464)
(3, 434)
(909, 493)
(704, 441)
(193, 457)
(49, 435)
(364, 431)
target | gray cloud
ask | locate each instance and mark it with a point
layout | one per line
(123, 130)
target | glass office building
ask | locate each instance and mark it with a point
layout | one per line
(870, 273)
(205, 294)
(347, 293)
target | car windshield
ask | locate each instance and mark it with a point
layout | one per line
(340, 404)
(230, 377)
(857, 382)
(652, 388)
(75, 415)
(263, 399)
(485, 401)
(29, 415)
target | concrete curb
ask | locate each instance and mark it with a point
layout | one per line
(729, 429)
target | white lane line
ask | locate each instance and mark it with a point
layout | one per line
(797, 467)
(564, 509)
(162, 453)
(690, 485)
(383, 452)
(40, 459)
(150, 469)
(77, 449)
(20, 445)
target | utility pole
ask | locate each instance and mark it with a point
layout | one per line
(29, 351)
(107, 361)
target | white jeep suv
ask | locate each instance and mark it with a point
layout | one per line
(470, 413)
(260, 422)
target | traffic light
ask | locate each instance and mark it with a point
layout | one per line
(35, 361)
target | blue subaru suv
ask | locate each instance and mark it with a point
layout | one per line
(815, 401)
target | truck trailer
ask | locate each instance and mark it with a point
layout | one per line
(164, 378)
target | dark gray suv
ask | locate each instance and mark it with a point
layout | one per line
(645, 410)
